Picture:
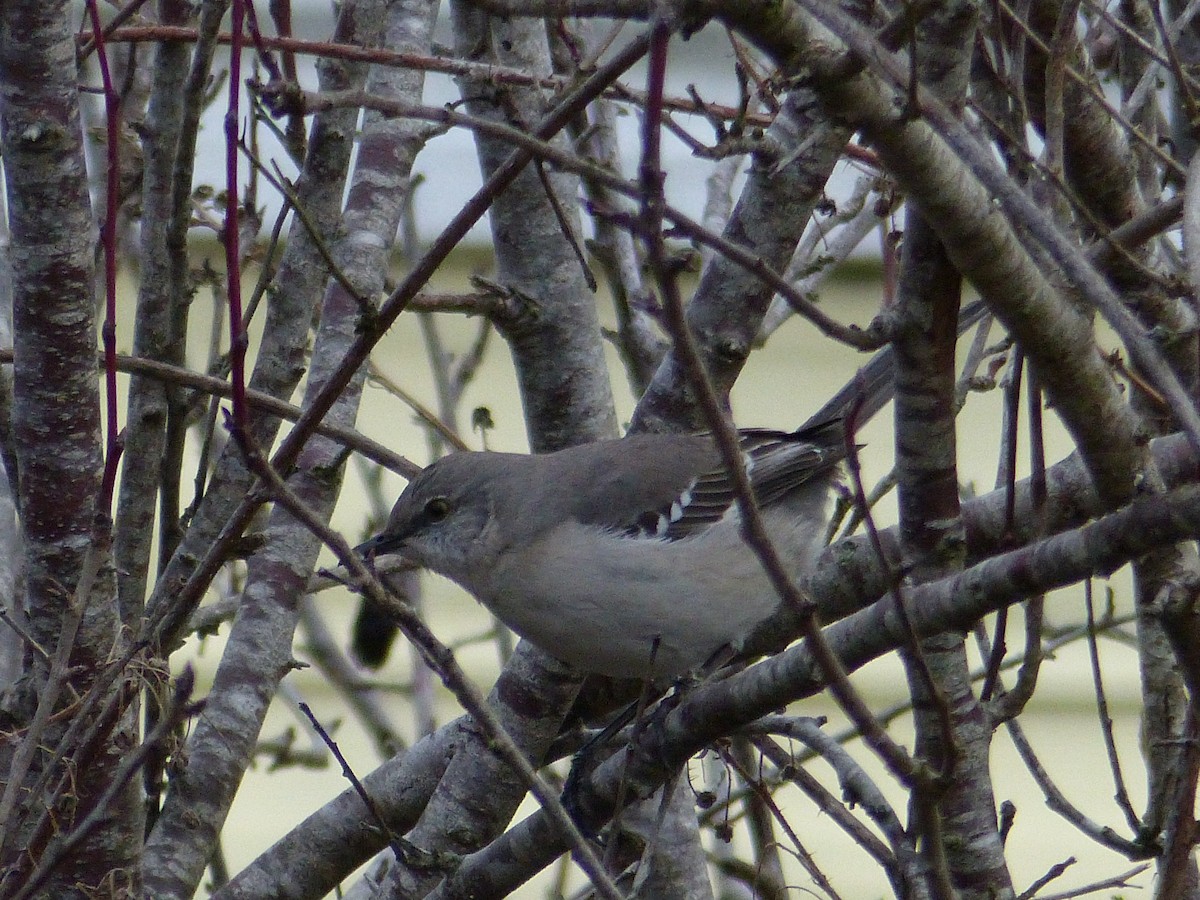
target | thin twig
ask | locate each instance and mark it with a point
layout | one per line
(1057, 801)
(1106, 723)
(405, 851)
(806, 859)
(1106, 884)
(218, 387)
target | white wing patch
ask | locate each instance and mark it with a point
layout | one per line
(776, 465)
(658, 524)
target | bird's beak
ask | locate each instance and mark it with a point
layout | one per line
(380, 545)
(389, 546)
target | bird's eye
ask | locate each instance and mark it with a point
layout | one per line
(437, 509)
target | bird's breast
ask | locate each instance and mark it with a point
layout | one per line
(628, 606)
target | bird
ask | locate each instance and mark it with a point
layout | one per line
(622, 557)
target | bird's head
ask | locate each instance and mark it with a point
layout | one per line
(443, 520)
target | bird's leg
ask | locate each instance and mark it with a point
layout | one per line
(718, 664)
(723, 663)
(585, 760)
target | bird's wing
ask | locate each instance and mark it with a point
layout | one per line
(776, 463)
(779, 463)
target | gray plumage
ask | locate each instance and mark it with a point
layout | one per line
(621, 557)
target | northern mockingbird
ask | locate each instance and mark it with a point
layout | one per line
(621, 557)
